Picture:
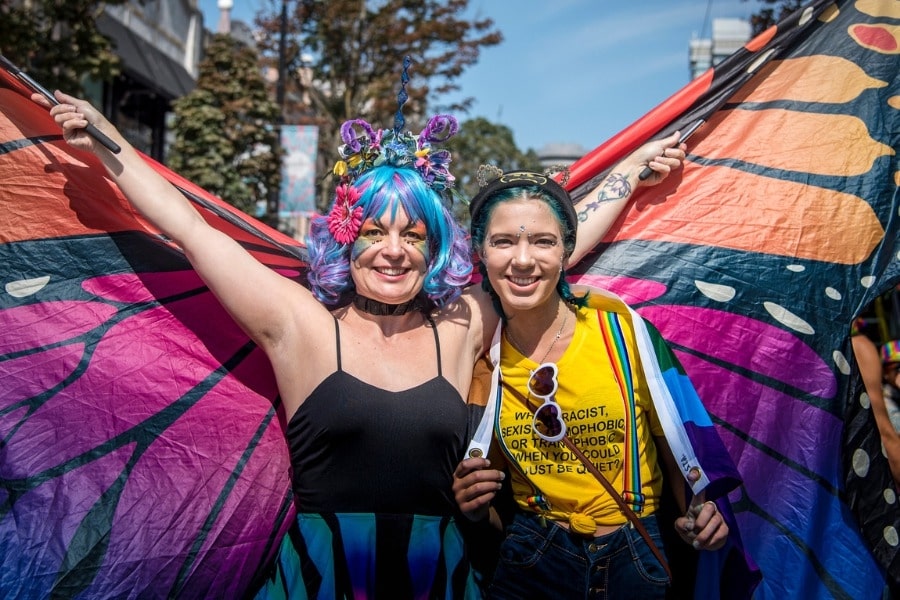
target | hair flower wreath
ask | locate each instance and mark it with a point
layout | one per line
(365, 147)
(368, 148)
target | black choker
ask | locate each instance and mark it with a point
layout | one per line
(374, 307)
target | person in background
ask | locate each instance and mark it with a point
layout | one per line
(881, 376)
(890, 365)
(879, 372)
(376, 418)
(581, 420)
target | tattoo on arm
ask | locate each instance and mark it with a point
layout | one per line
(615, 187)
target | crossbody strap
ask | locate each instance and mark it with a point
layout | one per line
(623, 506)
(635, 520)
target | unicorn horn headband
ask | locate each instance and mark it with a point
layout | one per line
(365, 148)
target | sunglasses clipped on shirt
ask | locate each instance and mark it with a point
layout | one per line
(548, 423)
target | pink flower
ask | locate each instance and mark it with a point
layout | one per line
(344, 220)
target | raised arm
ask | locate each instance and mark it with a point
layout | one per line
(260, 300)
(600, 208)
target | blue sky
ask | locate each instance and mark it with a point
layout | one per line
(573, 71)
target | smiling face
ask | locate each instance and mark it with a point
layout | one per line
(523, 254)
(390, 258)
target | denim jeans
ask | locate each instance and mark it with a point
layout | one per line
(547, 561)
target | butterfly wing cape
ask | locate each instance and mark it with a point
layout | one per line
(753, 261)
(141, 455)
(140, 451)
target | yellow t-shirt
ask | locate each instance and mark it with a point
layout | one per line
(594, 412)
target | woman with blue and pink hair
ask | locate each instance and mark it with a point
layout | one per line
(374, 359)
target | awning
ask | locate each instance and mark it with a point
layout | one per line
(145, 63)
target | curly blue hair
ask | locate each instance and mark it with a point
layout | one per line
(386, 189)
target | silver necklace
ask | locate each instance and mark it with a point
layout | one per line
(518, 347)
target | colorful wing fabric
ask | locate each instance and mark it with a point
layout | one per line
(693, 440)
(754, 260)
(141, 453)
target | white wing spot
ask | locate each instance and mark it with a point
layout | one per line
(805, 17)
(715, 291)
(841, 362)
(786, 317)
(860, 463)
(890, 535)
(26, 287)
(864, 401)
(761, 60)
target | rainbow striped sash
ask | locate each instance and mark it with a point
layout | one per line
(620, 361)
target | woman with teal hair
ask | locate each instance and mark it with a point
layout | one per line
(589, 414)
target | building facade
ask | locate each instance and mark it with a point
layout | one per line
(160, 43)
(560, 154)
(728, 35)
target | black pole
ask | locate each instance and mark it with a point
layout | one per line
(282, 59)
(272, 204)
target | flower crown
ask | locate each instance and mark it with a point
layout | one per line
(365, 148)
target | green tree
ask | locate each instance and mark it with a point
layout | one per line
(344, 58)
(481, 142)
(774, 11)
(58, 43)
(226, 130)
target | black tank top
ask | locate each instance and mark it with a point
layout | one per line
(358, 448)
